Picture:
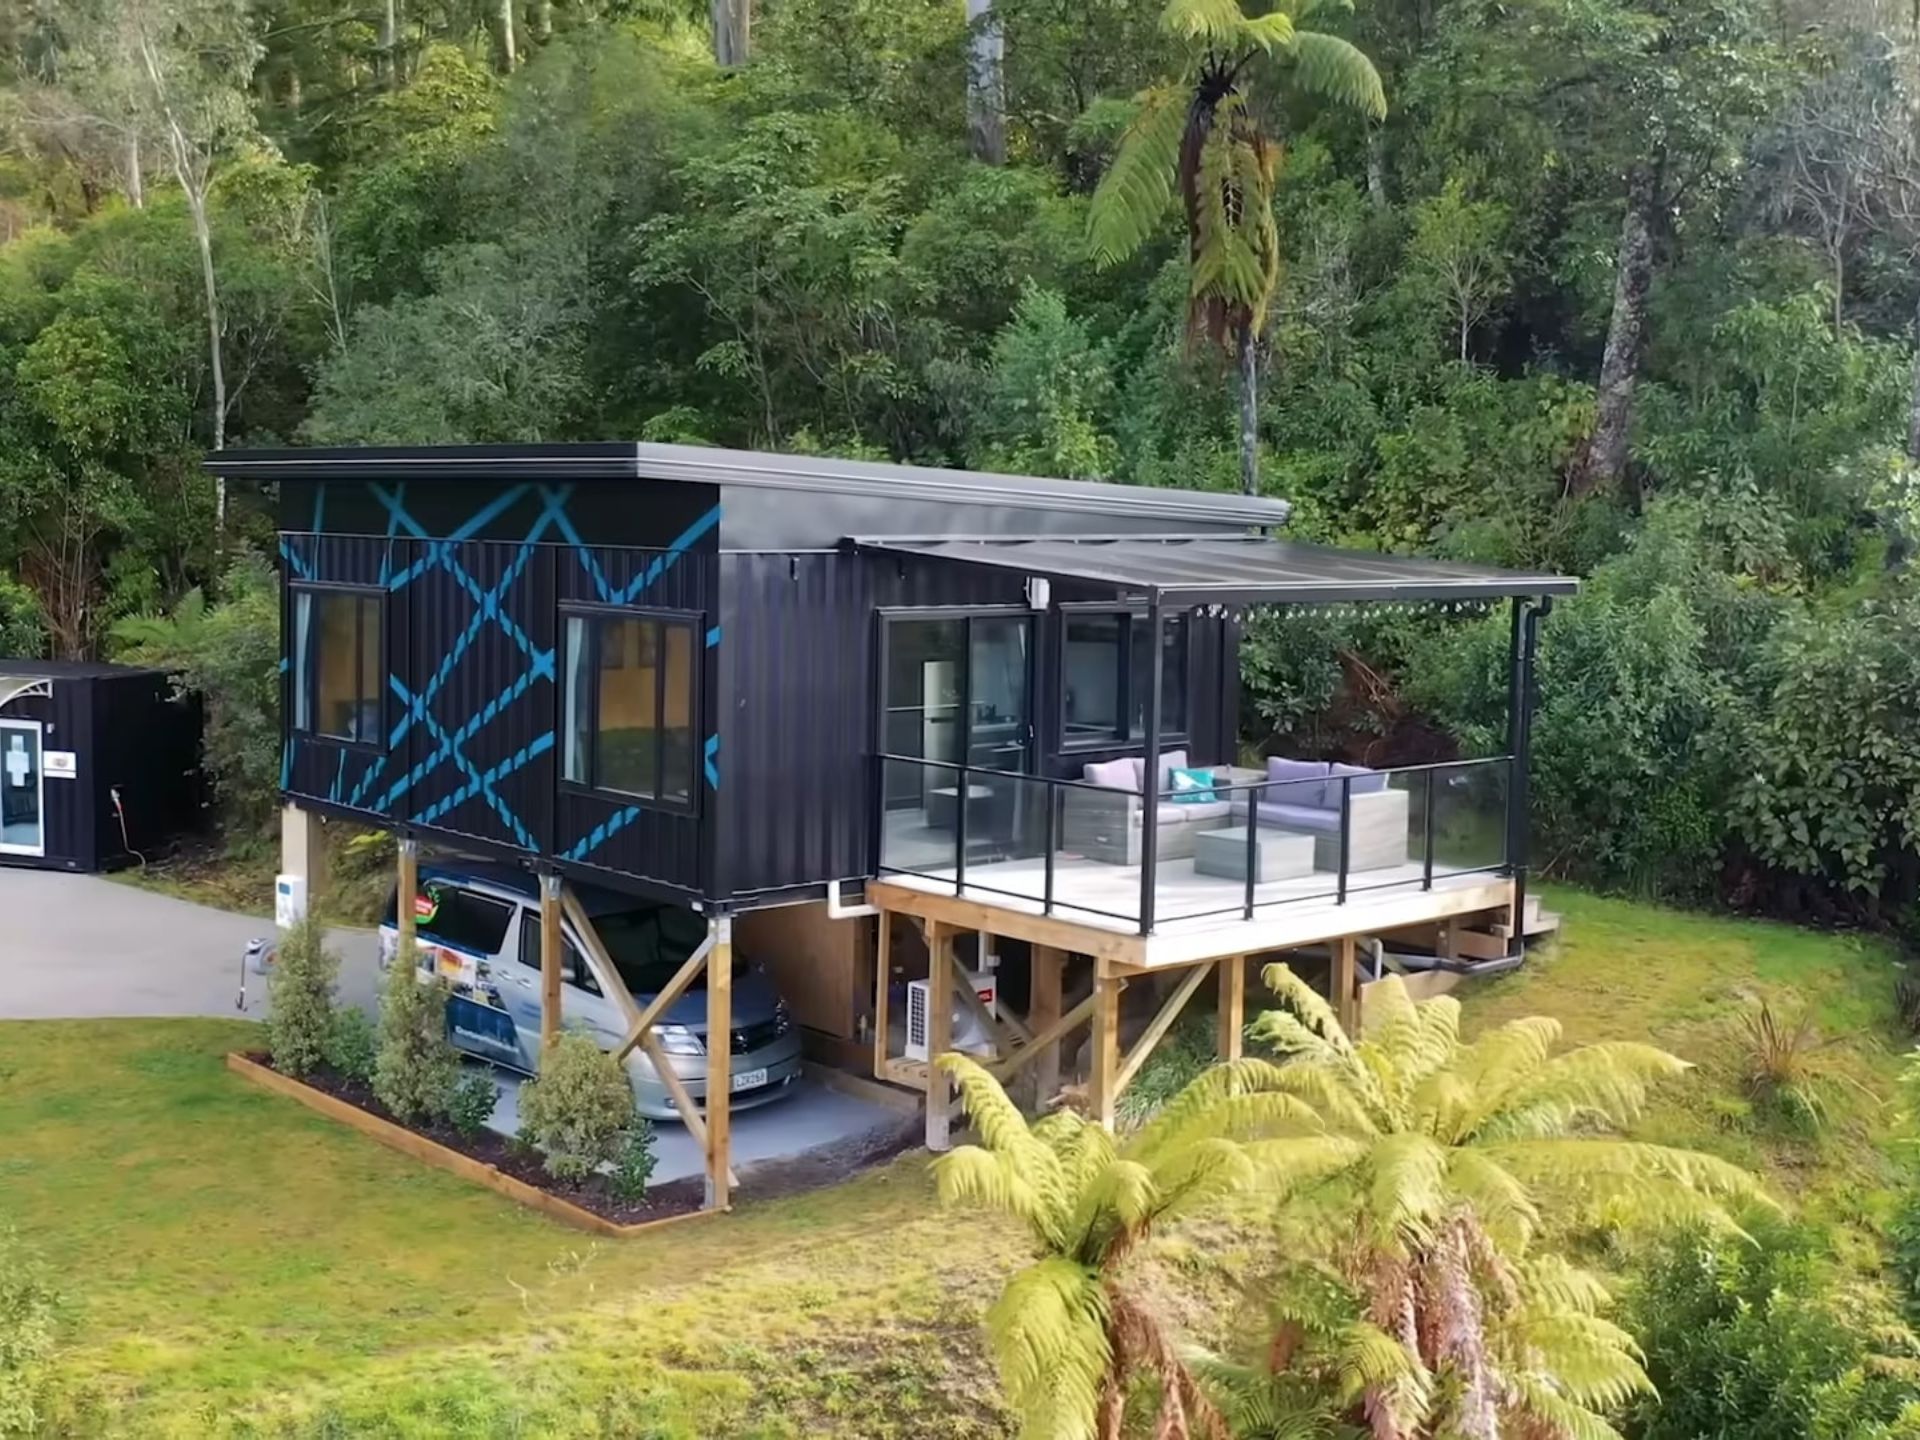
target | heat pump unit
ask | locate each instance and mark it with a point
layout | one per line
(968, 1033)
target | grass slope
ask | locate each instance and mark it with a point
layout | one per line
(240, 1266)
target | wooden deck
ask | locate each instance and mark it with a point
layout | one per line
(1004, 898)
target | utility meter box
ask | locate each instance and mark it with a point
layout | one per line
(289, 900)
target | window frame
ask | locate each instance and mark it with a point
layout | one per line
(694, 623)
(1121, 737)
(301, 669)
(579, 974)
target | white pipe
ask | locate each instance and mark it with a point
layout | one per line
(838, 909)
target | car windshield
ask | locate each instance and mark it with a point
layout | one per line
(649, 946)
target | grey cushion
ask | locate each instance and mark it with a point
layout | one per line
(1121, 774)
(1300, 817)
(1200, 810)
(1365, 781)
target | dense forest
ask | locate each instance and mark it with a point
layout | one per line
(1626, 288)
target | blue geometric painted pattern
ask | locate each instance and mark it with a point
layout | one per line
(450, 736)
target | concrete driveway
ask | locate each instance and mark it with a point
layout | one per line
(80, 947)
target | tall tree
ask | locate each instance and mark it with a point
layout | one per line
(986, 83)
(1204, 133)
(732, 31)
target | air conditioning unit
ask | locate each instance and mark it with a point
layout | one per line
(968, 1033)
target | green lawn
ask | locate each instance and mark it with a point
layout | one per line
(238, 1265)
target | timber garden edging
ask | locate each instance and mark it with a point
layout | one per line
(419, 1147)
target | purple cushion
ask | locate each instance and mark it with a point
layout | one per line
(1122, 774)
(1365, 781)
(1281, 768)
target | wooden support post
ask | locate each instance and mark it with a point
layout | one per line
(1156, 1029)
(882, 984)
(409, 888)
(1102, 1089)
(719, 1062)
(1043, 1010)
(550, 961)
(939, 1032)
(1345, 985)
(1232, 1012)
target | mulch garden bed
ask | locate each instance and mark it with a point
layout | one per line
(521, 1168)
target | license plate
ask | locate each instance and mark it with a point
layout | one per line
(748, 1079)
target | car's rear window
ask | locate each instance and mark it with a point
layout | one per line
(448, 915)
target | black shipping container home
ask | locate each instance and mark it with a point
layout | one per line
(99, 764)
(742, 681)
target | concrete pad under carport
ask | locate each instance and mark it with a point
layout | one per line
(814, 1117)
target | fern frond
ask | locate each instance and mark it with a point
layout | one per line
(1191, 1113)
(1554, 1414)
(1407, 1190)
(1336, 70)
(969, 1175)
(1041, 1193)
(1290, 1164)
(1272, 31)
(1339, 1095)
(1138, 187)
(1309, 1005)
(1121, 1198)
(1203, 1171)
(1367, 1357)
(1593, 1361)
(1217, 23)
(1630, 1184)
(1499, 1200)
(1048, 1331)
(1609, 1081)
(1552, 1283)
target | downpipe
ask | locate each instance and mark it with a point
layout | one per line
(839, 909)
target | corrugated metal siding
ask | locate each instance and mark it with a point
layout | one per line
(798, 660)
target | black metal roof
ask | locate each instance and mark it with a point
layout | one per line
(68, 669)
(624, 460)
(1213, 569)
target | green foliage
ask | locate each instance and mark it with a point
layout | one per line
(227, 652)
(633, 1167)
(471, 1104)
(580, 1109)
(1759, 1337)
(300, 1013)
(1047, 393)
(29, 1312)
(353, 1045)
(417, 1068)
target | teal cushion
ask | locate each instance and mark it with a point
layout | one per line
(1191, 787)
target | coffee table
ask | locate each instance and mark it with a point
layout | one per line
(1277, 854)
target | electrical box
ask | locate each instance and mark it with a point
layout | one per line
(289, 900)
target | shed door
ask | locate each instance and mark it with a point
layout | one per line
(22, 789)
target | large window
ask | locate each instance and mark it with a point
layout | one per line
(336, 664)
(1106, 672)
(629, 723)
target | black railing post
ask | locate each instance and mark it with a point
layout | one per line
(1051, 793)
(1346, 833)
(1526, 643)
(1426, 824)
(1253, 844)
(960, 838)
(1150, 772)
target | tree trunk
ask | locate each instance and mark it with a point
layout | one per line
(542, 20)
(1604, 466)
(386, 65)
(732, 27)
(1466, 326)
(505, 25)
(136, 182)
(1249, 412)
(1377, 167)
(986, 83)
(203, 238)
(1913, 400)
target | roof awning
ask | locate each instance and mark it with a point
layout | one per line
(1230, 570)
(16, 687)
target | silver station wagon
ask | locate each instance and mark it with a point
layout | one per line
(478, 927)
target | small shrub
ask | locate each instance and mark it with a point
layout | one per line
(1906, 999)
(579, 1110)
(1903, 1248)
(1784, 1064)
(633, 1167)
(28, 1312)
(471, 1104)
(417, 1068)
(300, 998)
(352, 1045)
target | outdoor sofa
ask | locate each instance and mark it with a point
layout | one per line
(1107, 824)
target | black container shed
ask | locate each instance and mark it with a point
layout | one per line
(99, 764)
